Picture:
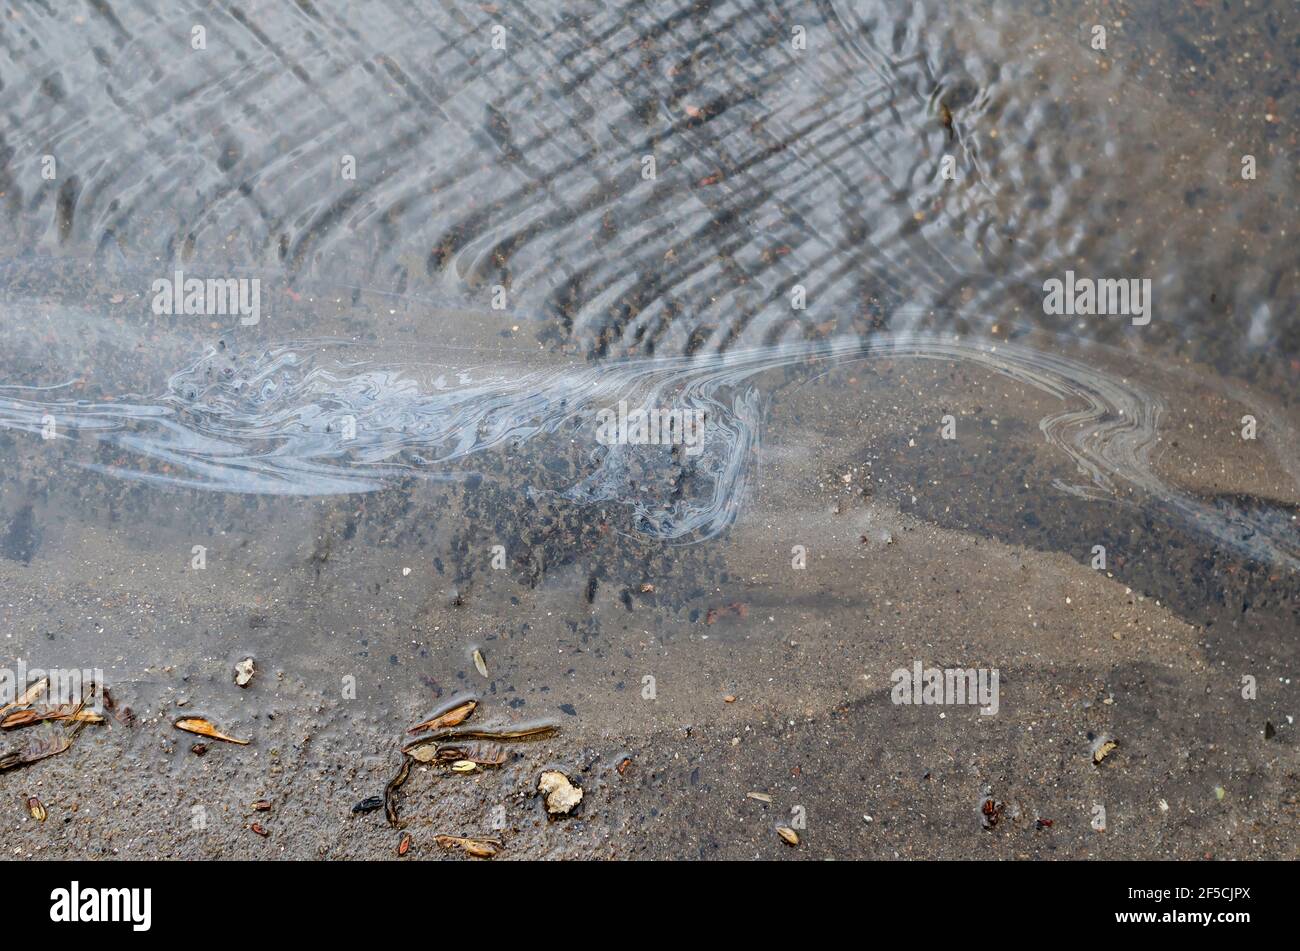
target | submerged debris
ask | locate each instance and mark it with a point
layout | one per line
(206, 728)
(479, 848)
(525, 732)
(561, 793)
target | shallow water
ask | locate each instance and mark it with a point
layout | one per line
(843, 245)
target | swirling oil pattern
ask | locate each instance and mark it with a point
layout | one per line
(302, 418)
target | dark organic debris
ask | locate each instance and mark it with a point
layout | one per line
(531, 731)
(991, 812)
(369, 804)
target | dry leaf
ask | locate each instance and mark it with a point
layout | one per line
(423, 753)
(789, 835)
(47, 742)
(27, 717)
(205, 728)
(455, 716)
(761, 797)
(479, 848)
(479, 664)
(29, 695)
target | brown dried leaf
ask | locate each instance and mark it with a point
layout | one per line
(29, 695)
(205, 728)
(50, 743)
(28, 717)
(449, 718)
